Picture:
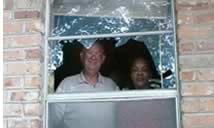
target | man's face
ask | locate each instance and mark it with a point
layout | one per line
(140, 73)
(92, 58)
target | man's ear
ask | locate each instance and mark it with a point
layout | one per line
(81, 56)
(103, 58)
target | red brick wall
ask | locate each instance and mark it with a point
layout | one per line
(196, 61)
(23, 59)
(22, 55)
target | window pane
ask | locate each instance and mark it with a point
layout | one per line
(121, 53)
(87, 17)
(168, 55)
(153, 113)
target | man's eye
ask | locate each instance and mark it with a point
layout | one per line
(89, 54)
(99, 55)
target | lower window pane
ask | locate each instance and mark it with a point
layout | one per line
(152, 113)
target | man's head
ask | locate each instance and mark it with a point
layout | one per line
(93, 58)
(140, 73)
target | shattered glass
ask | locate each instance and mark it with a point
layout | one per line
(97, 17)
(89, 17)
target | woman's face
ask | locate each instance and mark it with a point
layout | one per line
(140, 73)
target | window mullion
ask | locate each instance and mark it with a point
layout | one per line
(110, 35)
(149, 94)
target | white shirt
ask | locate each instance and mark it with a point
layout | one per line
(83, 115)
(78, 84)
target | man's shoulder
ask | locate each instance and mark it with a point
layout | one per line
(71, 78)
(109, 81)
(67, 83)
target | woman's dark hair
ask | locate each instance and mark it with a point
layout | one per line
(124, 57)
(149, 62)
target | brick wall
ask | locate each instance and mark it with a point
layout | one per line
(22, 55)
(196, 60)
(23, 59)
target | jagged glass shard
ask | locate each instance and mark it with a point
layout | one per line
(91, 17)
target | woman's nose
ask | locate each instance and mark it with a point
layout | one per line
(139, 73)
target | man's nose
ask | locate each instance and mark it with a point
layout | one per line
(93, 56)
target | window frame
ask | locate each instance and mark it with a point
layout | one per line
(108, 96)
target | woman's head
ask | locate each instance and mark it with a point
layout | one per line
(140, 72)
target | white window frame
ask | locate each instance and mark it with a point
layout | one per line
(108, 96)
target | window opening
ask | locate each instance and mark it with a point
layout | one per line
(148, 25)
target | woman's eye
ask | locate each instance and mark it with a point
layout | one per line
(134, 70)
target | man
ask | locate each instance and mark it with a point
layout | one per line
(89, 80)
(85, 115)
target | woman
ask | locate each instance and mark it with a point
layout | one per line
(142, 74)
(122, 60)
